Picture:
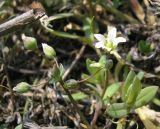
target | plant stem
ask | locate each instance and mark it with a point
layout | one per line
(75, 106)
(106, 82)
(66, 35)
(119, 14)
(91, 8)
(25, 109)
(7, 76)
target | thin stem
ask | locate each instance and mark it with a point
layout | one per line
(25, 109)
(4, 87)
(84, 80)
(119, 14)
(73, 101)
(106, 82)
(78, 56)
(66, 35)
(7, 75)
(75, 106)
(91, 8)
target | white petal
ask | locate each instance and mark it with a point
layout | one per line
(44, 45)
(99, 45)
(112, 31)
(100, 37)
(119, 40)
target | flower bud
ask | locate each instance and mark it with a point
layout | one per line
(30, 43)
(22, 87)
(48, 51)
(71, 83)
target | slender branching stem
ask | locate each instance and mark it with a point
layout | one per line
(83, 119)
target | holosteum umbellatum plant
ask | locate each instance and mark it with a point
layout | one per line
(131, 92)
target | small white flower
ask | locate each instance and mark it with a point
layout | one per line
(109, 43)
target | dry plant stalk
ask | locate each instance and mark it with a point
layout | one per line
(21, 21)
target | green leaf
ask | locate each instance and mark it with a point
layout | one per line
(96, 71)
(107, 63)
(96, 65)
(117, 110)
(89, 78)
(118, 69)
(140, 75)
(62, 70)
(77, 96)
(19, 126)
(111, 90)
(127, 84)
(145, 96)
(87, 27)
(56, 75)
(91, 70)
(156, 101)
(103, 60)
(144, 47)
(133, 92)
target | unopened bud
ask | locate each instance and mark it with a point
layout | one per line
(48, 51)
(22, 87)
(30, 43)
(71, 83)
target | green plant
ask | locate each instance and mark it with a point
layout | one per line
(133, 96)
(144, 47)
(98, 74)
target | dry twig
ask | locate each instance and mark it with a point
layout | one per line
(21, 21)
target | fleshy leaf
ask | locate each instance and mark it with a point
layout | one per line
(96, 65)
(89, 78)
(145, 96)
(77, 96)
(117, 110)
(127, 84)
(133, 92)
(140, 75)
(90, 69)
(103, 60)
(62, 70)
(111, 90)
(56, 74)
